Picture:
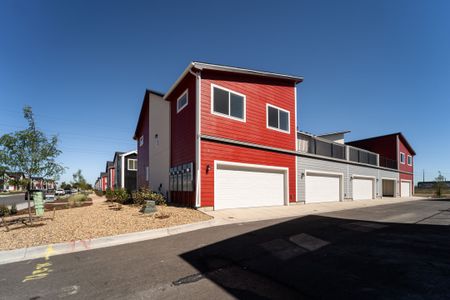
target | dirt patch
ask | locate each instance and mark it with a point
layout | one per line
(96, 220)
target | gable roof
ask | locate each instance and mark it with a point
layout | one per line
(224, 68)
(144, 107)
(109, 164)
(399, 134)
(116, 154)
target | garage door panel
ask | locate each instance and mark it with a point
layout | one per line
(248, 187)
(405, 189)
(322, 188)
(362, 188)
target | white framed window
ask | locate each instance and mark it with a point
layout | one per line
(141, 141)
(146, 173)
(278, 118)
(132, 164)
(409, 160)
(227, 103)
(182, 101)
(402, 158)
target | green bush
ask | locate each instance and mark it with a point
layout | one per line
(76, 200)
(143, 194)
(109, 194)
(13, 210)
(99, 193)
(121, 196)
(4, 210)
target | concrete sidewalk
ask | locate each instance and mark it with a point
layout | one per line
(295, 210)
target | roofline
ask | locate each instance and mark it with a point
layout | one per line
(336, 132)
(147, 92)
(208, 66)
(386, 135)
(129, 152)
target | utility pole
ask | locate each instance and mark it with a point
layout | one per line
(423, 176)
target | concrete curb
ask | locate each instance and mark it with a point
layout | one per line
(11, 256)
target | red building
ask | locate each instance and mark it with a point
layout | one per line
(104, 181)
(395, 152)
(234, 129)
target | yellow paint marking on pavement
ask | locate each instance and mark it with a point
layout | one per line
(42, 269)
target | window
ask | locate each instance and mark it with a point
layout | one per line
(182, 101)
(132, 164)
(402, 158)
(146, 173)
(409, 160)
(277, 118)
(141, 141)
(227, 103)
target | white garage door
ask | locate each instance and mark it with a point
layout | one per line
(362, 188)
(406, 189)
(248, 187)
(322, 188)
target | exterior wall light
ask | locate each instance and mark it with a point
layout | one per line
(208, 167)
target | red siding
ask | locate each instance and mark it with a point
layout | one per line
(211, 151)
(183, 132)
(385, 146)
(404, 149)
(258, 92)
(143, 151)
(104, 183)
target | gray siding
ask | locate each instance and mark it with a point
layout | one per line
(313, 164)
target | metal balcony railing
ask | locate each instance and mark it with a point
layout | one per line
(362, 156)
(388, 163)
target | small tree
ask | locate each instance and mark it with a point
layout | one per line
(29, 151)
(79, 181)
(439, 184)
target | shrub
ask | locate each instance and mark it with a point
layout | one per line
(4, 210)
(121, 196)
(76, 200)
(13, 210)
(109, 194)
(99, 193)
(143, 194)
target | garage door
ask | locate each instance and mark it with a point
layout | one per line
(322, 188)
(406, 189)
(362, 188)
(248, 187)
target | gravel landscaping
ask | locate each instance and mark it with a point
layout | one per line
(97, 220)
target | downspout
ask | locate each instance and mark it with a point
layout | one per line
(197, 136)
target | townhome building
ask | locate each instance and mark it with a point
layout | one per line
(234, 142)
(125, 166)
(152, 136)
(111, 175)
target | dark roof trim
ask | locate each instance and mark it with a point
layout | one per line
(336, 132)
(208, 66)
(401, 136)
(144, 105)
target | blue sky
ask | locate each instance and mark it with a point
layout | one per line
(373, 67)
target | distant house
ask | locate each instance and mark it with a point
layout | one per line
(125, 165)
(103, 181)
(6, 181)
(152, 137)
(111, 175)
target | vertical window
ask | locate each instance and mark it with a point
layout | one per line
(402, 158)
(409, 160)
(277, 118)
(146, 173)
(182, 101)
(227, 103)
(132, 164)
(141, 141)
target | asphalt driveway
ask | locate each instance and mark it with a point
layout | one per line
(376, 252)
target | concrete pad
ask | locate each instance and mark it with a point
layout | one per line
(308, 242)
(363, 226)
(282, 249)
